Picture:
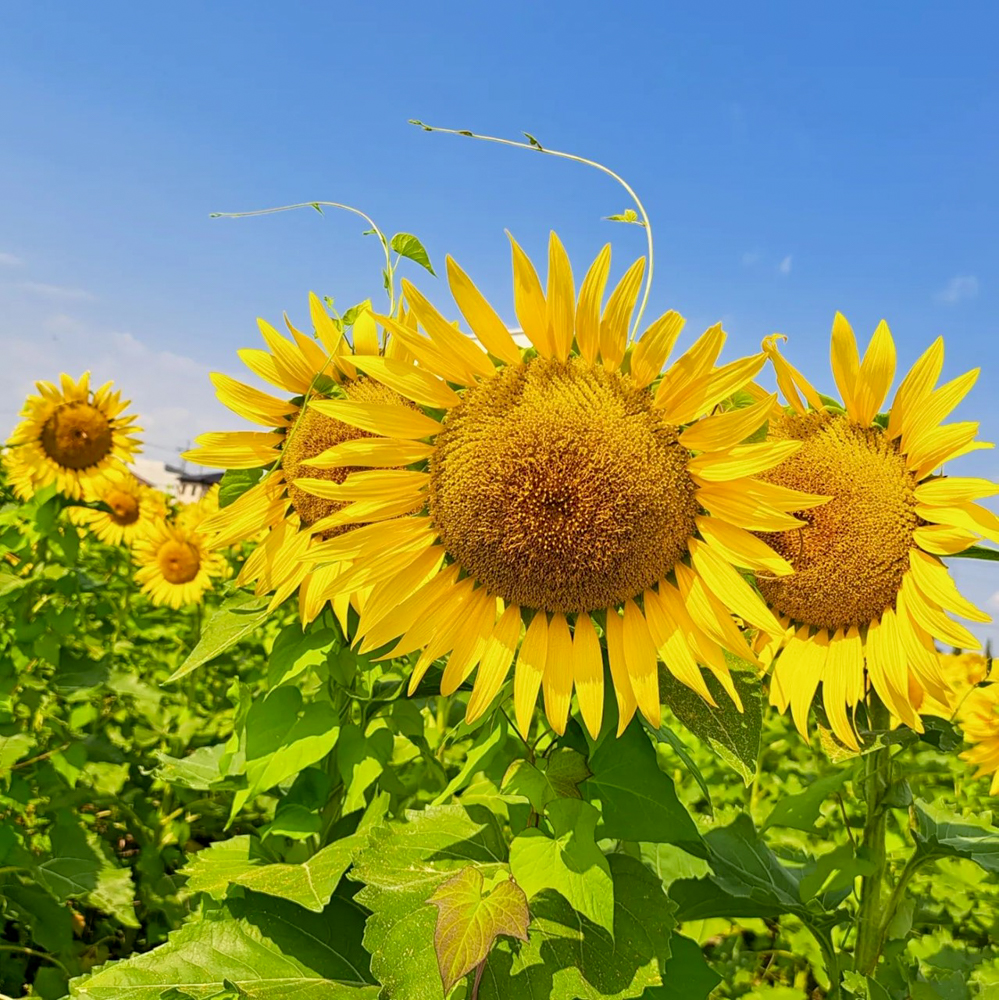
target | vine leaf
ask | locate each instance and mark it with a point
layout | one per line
(468, 921)
(409, 246)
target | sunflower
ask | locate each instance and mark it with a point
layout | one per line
(192, 515)
(553, 491)
(69, 435)
(175, 566)
(962, 672)
(292, 516)
(132, 508)
(869, 593)
(979, 719)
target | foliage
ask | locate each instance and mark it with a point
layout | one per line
(218, 803)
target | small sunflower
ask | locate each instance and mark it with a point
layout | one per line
(175, 566)
(70, 435)
(132, 508)
(293, 516)
(979, 719)
(556, 490)
(962, 673)
(869, 593)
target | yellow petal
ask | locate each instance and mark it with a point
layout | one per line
(915, 388)
(886, 665)
(707, 392)
(495, 665)
(411, 382)
(711, 616)
(948, 491)
(268, 368)
(387, 453)
(260, 407)
(529, 301)
(588, 674)
(591, 294)
(385, 419)
(326, 330)
(286, 355)
(789, 379)
(723, 430)
(741, 460)
(946, 443)
(670, 639)
(530, 670)
(654, 347)
(369, 484)
(640, 660)
(474, 630)
(561, 299)
(942, 539)
(928, 616)
(935, 582)
(843, 683)
(845, 363)
(876, 373)
(626, 703)
(745, 511)
(235, 449)
(695, 363)
(491, 331)
(429, 355)
(967, 516)
(616, 320)
(557, 680)
(741, 548)
(936, 407)
(364, 335)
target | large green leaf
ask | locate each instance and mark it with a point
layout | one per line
(733, 735)
(469, 921)
(568, 862)
(638, 801)
(403, 864)
(799, 812)
(241, 861)
(237, 617)
(567, 957)
(941, 833)
(282, 738)
(266, 947)
(295, 651)
(686, 974)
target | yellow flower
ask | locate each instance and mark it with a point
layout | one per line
(132, 508)
(979, 718)
(962, 672)
(557, 491)
(175, 566)
(869, 594)
(69, 435)
(293, 517)
(192, 515)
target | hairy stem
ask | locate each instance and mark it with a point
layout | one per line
(877, 781)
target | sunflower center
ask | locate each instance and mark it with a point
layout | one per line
(179, 561)
(315, 434)
(850, 559)
(124, 507)
(557, 486)
(77, 435)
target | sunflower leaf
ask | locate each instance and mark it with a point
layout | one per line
(943, 834)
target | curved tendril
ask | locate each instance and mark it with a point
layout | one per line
(389, 270)
(536, 147)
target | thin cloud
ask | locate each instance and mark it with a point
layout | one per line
(784, 267)
(58, 291)
(10, 259)
(750, 257)
(959, 288)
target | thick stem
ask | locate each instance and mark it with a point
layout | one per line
(877, 781)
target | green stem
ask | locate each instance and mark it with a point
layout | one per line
(877, 781)
(830, 958)
(538, 148)
(898, 893)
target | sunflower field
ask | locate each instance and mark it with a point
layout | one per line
(549, 662)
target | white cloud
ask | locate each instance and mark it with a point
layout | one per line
(993, 601)
(58, 291)
(959, 288)
(9, 259)
(750, 257)
(784, 267)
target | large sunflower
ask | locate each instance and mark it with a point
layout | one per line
(553, 489)
(132, 508)
(292, 516)
(70, 435)
(175, 566)
(869, 593)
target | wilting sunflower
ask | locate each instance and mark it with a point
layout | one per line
(555, 490)
(132, 508)
(70, 435)
(293, 516)
(979, 719)
(175, 566)
(869, 593)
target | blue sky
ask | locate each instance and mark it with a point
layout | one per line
(795, 159)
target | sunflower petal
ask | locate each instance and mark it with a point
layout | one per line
(495, 665)
(410, 382)
(480, 316)
(384, 419)
(616, 319)
(626, 703)
(591, 294)
(588, 674)
(530, 670)
(875, 376)
(560, 300)
(557, 680)
(654, 347)
(529, 301)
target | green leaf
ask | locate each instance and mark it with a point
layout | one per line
(638, 801)
(799, 812)
(266, 947)
(733, 735)
(628, 215)
(747, 881)
(487, 741)
(236, 618)
(550, 778)
(666, 735)
(282, 737)
(403, 864)
(407, 245)
(832, 872)
(977, 552)
(569, 862)
(567, 957)
(200, 770)
(115, 890)
(294, 652)
(235, 482)
(242, 861)
(360, 760)
(349, 318)
(468, 921)
(12, 749)
(941, 833)
(686, 974)
(49, 923)
(534, 142)
(74, 868)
